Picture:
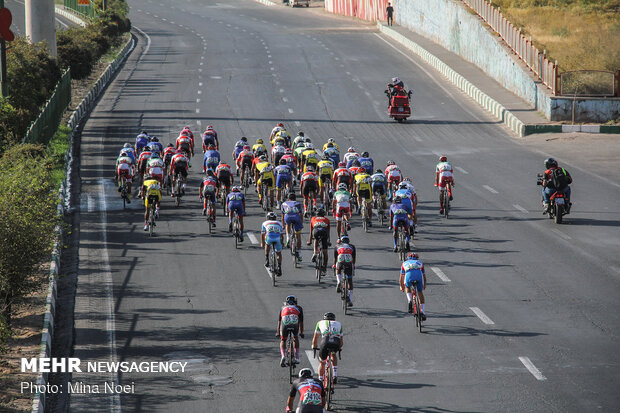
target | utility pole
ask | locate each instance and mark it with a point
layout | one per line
(40, 23)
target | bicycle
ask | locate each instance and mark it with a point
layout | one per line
(378, 205)
(274, 266)
(290, 355)
(344, 290)
(319, 263)
(364, 216)
(236, 229)
(178, 190)
(211, 214)
(328, 377)
(293, 245)
(265, 198)
(124, 192)
(402, 242)
(223, 195)
(326, 188)
(151, 220)
(446, 199)
(246, 179)
(417, 308)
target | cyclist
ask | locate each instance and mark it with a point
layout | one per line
(155, 145)
(320, 232)
(282, 137)
(333, 145)
(342, 176)
(341, 207)
(155, 167)
(271, 234)
(311, 394)
(291, 216)
(350, 156)
(152, 193)
(299, 140)
(443, 175)
(284, 177)
(141, 141)
(344, 263)
(184, 143)
(332, 153)
(325, 169)
(237, 150)
(188, 132)
(412, 270)
(124, 168)
(367, 162)
(245, 158)
(210, 131)
(179, 165)
(276, 129)
(211, 158)
(328, 339)
(208, 190)
(145, 155)
(414, 201)
(265, 176)
(236, 202)
(310, 157)
(379, 188)
(298, 151)
(407, 200)
(209, 137)
(259, 148)
(168, 154)
(291, 161)
(399, 216)
(290, 319)
(309, 188)
(277, 152)
(363, 189)
(393, 174)
(190, 135)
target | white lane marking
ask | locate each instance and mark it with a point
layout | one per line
(252, 237)
(286, 100)
(417, 138)
(482, 316)
(440, 274)
(298, 123)
(277, 83)
(197, 110)
(202, 63)
(215, 77)
(199, 83)
(270, 62)
(200, 92)
(197, 100)
(488, 188)
(560, 233)
(269, 56)
(348, 73)
(520, 208)
(314, 362)
(461, 170)
(290, 110)
(532, 368)
(148, 42)
(272, 68)
(199, 123)
(202, 57)
(281, 90)
(367, 93)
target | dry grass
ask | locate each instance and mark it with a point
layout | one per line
(579, 34)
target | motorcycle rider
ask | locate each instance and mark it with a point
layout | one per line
(550, 187)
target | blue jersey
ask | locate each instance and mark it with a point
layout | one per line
(142, 140)
(155, 147)
(368, 164)
(399, 211)
(272, 230)
(291, 208)
(211, 159)
(379, 179)
(130, 154)
(235, 197)
(283, 170)
(405, 194)
(333, 154)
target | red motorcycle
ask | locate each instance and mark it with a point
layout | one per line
(399, 104)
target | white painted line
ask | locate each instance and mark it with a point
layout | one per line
(440, 274)
(281, 90)
(197, 100)
(417, 138)
(197, 110)
(252, 237)
(269, 56)
(488, 188)
(461, 170)
(286, 100)
(532, 368)
(215, 77)
(290, 110)
(270, 62)
(272, 68)
(348, 73)
(199, 70)
(314, 362)
(367, 93)
(199, 83)
(482, 316)
(298, 123)
(202, 63)
(199, 123)
(520, 208)
(277, 83)
(200, 92)
(560, 233)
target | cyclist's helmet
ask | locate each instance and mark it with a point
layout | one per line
(397, 199)
(282, 161)
(328, 316)
(235, 189)
(271, 215)
(244, 139)
(305, 374)
(187, 127)
(281, 124)
(551, 163)
(154, 139)
(171, 145)
(209, 127)
(342, 186)
(329, 145)
(395, 80)
(127, 145)
(341, 164)
(292, 196)
(356, 163)
(351, 149)
(155, 155)
(263, 157)
(379, 171)
(291, 300)
(361, 170)
(210, 172)
(246, 147)
(143, 133)
(307, 140)
(309, 168)
(288, 151)
(391, 163)
(412, 256)
(300, 133)
(331, 140)
(365, 154)
(407, 179)
(443, 158)
(178, 151)
(402, 185)
(259, 141)
(321, 212)
(344, 239)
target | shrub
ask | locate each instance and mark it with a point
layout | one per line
(77, 50)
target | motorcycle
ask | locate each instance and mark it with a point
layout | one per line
(399, 107)
(558, 206)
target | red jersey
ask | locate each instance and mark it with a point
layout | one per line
(342, 172)
(179, 160)
(169, 152)
(243, 154)
(209, 184)
(290, 159)
(354, 170)
(223, 167)
(144, 157)
(183, 139)
(309, 176)
(291, 315)
(319, 222)
(390, 170)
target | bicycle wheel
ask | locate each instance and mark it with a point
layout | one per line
(418, 311)
(151, 219)
(446, 201)
(291, 356)
(402, 247)
(209, 216)
(318, 264)
(177, 193)
(294, 250)
(329, 383)
(345, 294)
(364, 218)
(236, 229)
(273, 264)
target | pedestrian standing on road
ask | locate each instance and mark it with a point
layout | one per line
(390, 12)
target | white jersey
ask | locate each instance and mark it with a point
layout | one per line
(444, 169)
(411, 188)
(329, 328)
(349, 155)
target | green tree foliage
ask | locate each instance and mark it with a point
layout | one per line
(28, 202)
(11, 119)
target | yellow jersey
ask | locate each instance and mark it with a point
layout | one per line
(363, 182)
(152, 189)
(259, 147)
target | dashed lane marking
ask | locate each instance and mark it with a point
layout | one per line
(561, 234)
(461, 170)
(488, 188)
(440, 274)
(252, 237)
(532, 368)
(482, 316)
(520, 208)
(314, 362)
(290, 110)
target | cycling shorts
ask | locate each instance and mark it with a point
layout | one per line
(282, 180)
(345, 268)
(212, 165)
(310, 186)
(328, 344)
(321, 234)
(208, 195)
(364, 193)
(324, 178)
(236, 206)
(223, 177)
(341, 211)
(343, 180)
(124, 170)
(246, 161)
(185, 148)
(284, 329)
(394, 178)
(443, 180)
(267, 181)
(275, 242)
(295, 220)
(401, 220)
(208, 139)
(378, 189)
(158, 175)
(414, 275)
(152, 198)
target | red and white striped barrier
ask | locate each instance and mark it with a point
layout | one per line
(370, 10)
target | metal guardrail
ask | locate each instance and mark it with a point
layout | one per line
(43, 128)
(536, 60)
(86, 11)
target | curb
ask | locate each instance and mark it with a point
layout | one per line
(70, 16)
(266, 2)
(38, 402)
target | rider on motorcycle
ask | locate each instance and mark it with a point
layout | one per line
(550, 184)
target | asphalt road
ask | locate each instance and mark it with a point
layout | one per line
(18, 12)
(523, 314)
